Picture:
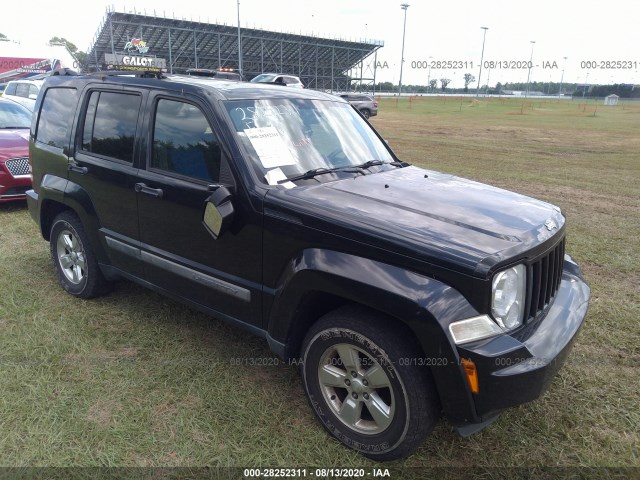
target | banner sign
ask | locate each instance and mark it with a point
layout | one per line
(13, 68)
(134, 62)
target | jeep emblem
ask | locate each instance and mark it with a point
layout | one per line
(550, 224)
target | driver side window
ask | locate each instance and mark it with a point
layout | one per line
(184, 142)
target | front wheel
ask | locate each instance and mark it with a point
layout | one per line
(361, 390)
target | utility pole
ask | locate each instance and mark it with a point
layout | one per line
(481, 59)
(533, 42)
(239, 43)
(404, 7)
(562, 76)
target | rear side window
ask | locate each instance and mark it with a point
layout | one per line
(110, 124)
(22, 90)
(56, 114)
(11, 89)
(184, 143)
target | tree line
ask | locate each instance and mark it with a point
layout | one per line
(534, 88)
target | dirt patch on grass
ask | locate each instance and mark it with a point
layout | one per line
(589, 199)
(102, 412)
(165, 410)
(190, 402)
(628, 281)
(101, 356)
(607, 354)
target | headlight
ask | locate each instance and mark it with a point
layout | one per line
(507, 300)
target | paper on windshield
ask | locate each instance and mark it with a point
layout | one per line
(271, 149)
(276, 175)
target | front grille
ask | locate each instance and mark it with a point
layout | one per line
(545, 274)
(18, 166)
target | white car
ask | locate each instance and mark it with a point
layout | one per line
(279, 79)
(23, 92)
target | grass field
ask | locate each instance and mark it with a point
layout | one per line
(134, 379)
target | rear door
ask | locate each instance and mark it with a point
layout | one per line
(185, 162)
(103, 164)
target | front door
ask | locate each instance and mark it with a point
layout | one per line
(184, 163)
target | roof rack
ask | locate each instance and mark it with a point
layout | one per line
(67, 72)
(136, 73)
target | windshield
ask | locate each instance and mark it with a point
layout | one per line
(265, 77)
(13, 115)
(288, 137)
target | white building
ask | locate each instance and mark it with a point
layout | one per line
(611, 99)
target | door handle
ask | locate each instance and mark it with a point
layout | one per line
(154, 192)
(78, 169)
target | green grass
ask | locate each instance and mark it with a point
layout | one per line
(134, 379)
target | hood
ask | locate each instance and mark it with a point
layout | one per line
(14, 143)
(439, 218)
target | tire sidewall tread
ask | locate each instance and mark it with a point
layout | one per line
(422, 410)
(94, 283)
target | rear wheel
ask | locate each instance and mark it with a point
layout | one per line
(362, 389)
(365, 113)
(74, 261)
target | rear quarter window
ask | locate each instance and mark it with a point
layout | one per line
(11, 89)
(56, 115)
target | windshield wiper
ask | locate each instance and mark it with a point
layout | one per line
(347, 168)
(11, 127)
(321, 171)
(374, 163)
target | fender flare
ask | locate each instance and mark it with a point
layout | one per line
(410, 297)
(424, 305)
(74, 197)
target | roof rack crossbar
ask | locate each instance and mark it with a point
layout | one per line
(137, 73)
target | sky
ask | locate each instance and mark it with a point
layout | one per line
(588, 35)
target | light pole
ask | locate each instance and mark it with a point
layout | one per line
(481, 59)
(585, 84)
(429, 74)
(404, 7)
(239, 43)
(562, 76)
(533, 42)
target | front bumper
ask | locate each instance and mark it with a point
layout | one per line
(514, 369)
(13, 188)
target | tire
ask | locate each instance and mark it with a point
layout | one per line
(365, 113)
(73, 259)
(382, 406)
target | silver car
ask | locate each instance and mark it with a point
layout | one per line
(279, 79)
(367, 105)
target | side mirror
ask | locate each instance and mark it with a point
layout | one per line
(218, 212)
(33, 96)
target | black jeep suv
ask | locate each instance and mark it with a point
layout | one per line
(402, 293)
